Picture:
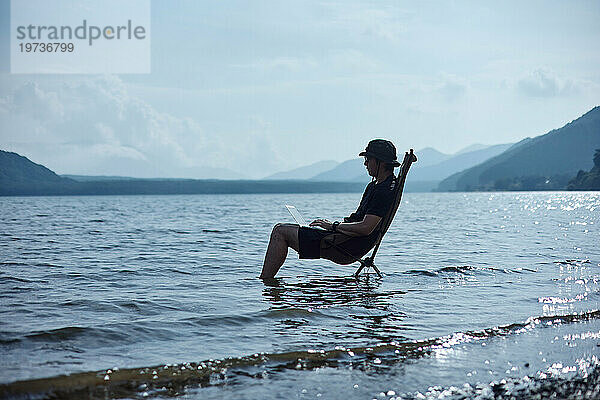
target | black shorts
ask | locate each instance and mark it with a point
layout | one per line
(318, 243)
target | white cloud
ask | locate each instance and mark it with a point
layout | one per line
(380, 22)
(452, 87)
(95, 127)
(352, 59)
(281, 63)
(545, 83)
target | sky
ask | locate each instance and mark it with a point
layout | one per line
(248, 88)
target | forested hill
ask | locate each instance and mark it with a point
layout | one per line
(21, 177)
(546, 162)
(588, 180)
(18, 173)
(16, 168)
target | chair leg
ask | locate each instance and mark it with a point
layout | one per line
(366, 263)
(377, 270)
(359, 270)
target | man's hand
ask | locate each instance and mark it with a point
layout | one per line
(323, 223)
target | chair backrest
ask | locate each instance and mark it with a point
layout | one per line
(409, 158)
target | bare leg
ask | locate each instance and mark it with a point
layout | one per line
(282, 237)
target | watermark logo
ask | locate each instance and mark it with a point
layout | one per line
(80, 37)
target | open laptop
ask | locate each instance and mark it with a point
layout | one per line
(298, 217)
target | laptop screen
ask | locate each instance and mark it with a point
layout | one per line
(296, 214)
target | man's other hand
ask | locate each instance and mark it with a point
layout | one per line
(323, 223)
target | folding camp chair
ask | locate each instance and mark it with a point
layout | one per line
(367, 262)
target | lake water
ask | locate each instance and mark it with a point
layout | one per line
(160, 296)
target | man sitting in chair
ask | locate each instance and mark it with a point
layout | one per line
(341, 242)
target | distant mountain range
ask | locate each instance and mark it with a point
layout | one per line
(21, 177)
(351, 170)
(346, 171)
(305, 172)
(429, 156)
(432, 167)
(455, 163)
(546, 162)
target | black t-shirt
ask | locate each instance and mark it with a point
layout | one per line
(376, 200)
